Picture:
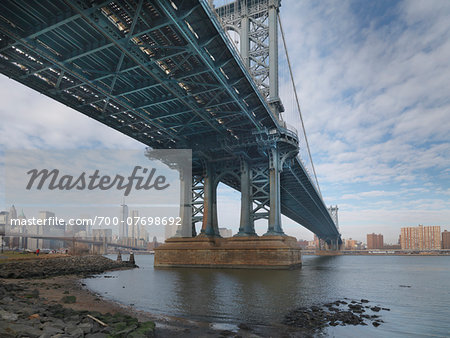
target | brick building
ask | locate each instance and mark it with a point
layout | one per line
(446, 240)
(421, 238)
(375, 241)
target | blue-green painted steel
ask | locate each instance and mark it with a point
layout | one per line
(163, 72)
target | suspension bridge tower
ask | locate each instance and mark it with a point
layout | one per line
(252, 26)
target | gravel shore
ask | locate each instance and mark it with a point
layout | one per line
(57, 306)
(47, 298)
(60, 305)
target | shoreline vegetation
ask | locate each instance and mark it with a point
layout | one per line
(44, 296)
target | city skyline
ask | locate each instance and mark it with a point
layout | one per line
(373, 81)
(167, 231)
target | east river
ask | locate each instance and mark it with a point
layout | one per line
(416, 289)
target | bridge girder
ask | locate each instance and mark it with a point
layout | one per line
(164, 73)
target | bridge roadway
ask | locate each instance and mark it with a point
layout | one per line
(162, 72)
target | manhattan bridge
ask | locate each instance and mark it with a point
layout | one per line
(182, 74)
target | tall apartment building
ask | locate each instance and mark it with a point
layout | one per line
(375, 241)
(421, 237)
(446, 240)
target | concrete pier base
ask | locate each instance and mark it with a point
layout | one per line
(253, 252)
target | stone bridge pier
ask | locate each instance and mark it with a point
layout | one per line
(259, 184)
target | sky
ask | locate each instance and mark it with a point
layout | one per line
(373, 79)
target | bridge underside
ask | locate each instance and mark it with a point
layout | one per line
(165, 73)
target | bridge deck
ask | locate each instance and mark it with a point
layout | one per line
(162, 72)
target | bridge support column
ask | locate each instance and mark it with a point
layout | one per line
(247, 226)
(244, 37)
(210, 226)
(275, 198)
(274, 99)
(185, 229)
(104, 249)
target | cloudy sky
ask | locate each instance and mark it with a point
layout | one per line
(374, 84)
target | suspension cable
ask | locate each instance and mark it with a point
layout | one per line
(298, 104)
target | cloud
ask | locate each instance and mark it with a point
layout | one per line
(373, 82)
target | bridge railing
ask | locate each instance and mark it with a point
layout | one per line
(289, 128)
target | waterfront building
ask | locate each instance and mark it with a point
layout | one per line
(316, 242)
(375, 241)
(352, 244)
(311, 245)
(446, 240)
(302, 243)
(421, 238)
(224, 232)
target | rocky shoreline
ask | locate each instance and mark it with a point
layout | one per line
(47, 298)
(340, 312)
(58, 266)
(24, 313)
(30, 307)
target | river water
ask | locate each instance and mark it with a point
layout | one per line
(416, 289)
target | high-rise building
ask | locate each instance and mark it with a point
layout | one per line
(375, 241)
(45, 229)
(123, 225)
(12, 212)
(134, 226)
(421, 238)
(446, 240)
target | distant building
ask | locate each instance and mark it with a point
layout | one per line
(134, 226)
(421, 238)
(12, 212)
(311, 245)
(302, 243)
(224, 232)
(374, 241)
(153, 244)
(352, 244)
(446, 240)
(3, 222)
(123, 225)
(316, 241)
